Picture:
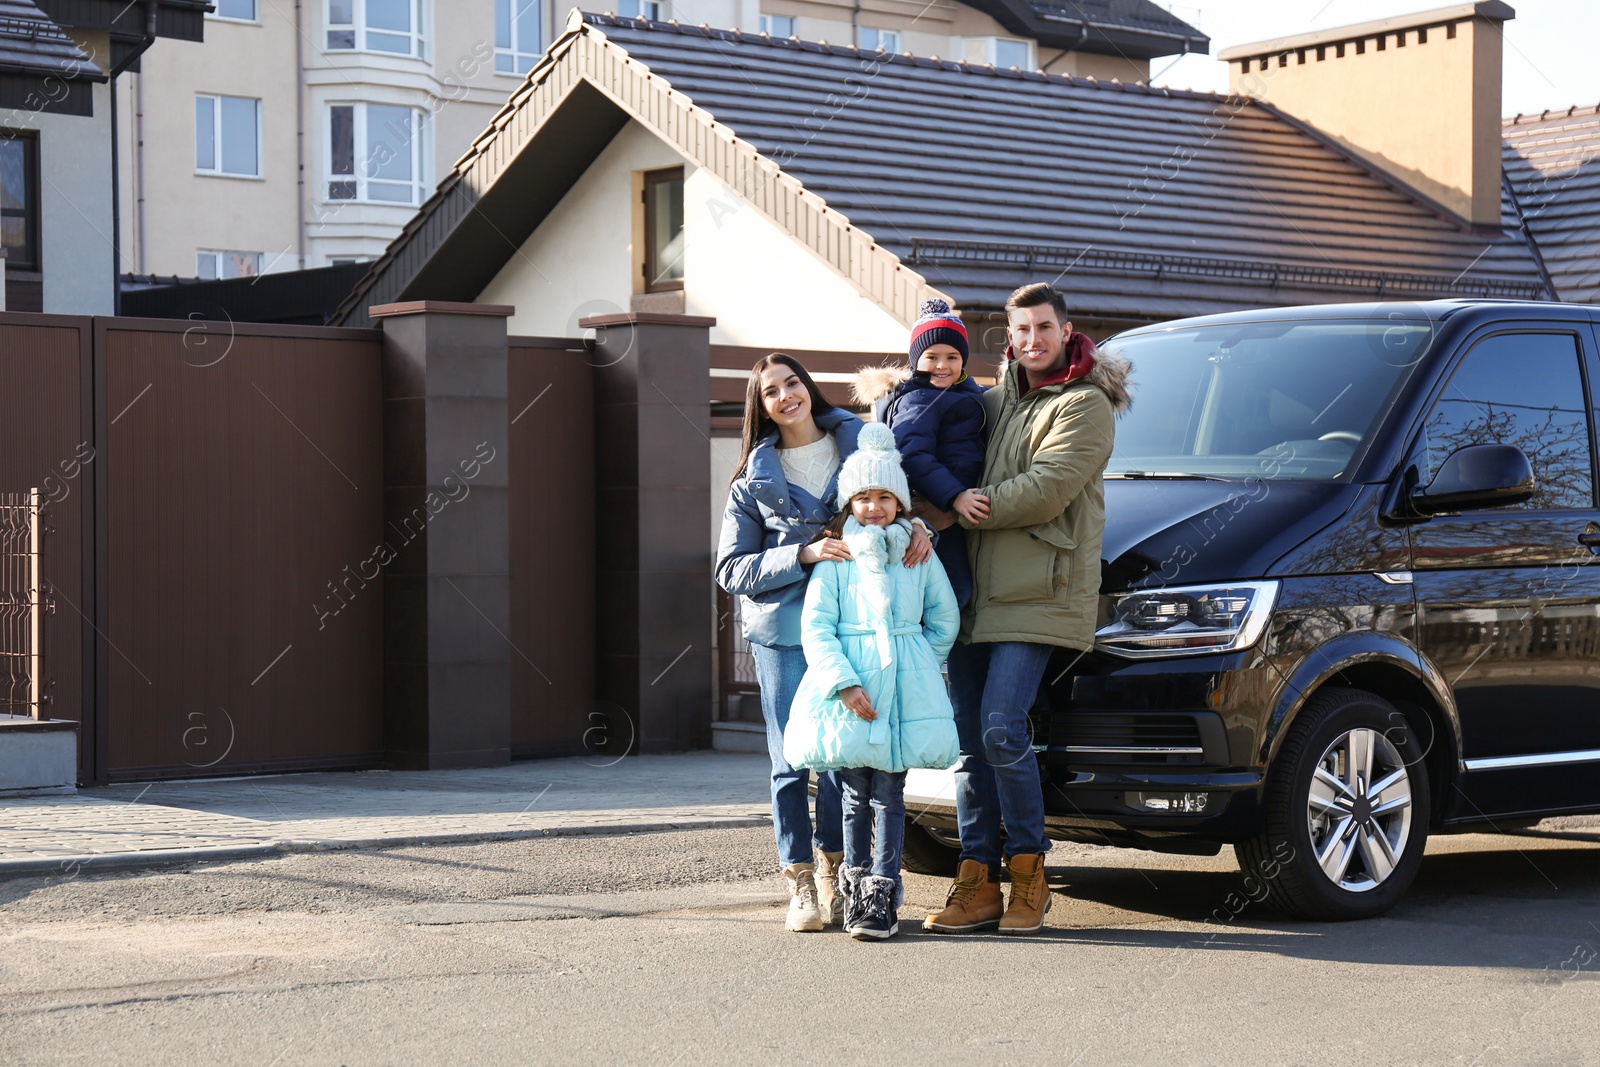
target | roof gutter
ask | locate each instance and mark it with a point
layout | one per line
(151, 10)
(1186, 42)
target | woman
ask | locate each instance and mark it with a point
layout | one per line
(781, 496)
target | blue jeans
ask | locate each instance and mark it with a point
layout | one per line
(778, 672)
(874, 809)
(992, 686)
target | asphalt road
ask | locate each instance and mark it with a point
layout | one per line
(669, 949)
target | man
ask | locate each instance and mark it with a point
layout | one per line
(1034, 544)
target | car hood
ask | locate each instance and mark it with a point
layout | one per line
(1180, 532)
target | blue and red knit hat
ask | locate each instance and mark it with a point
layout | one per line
(937, 325)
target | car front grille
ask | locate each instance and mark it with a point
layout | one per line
(1107, 738)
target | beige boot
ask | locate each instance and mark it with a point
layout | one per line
(827, 878)
(803, 914)
(974, 902)
(1030, 895)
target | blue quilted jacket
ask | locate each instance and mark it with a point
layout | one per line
(876, 623)
(765, 525)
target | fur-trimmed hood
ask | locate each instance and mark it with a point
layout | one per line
(1111, 376)
(872, 383)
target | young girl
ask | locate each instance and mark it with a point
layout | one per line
(936, 412)
(872, 703)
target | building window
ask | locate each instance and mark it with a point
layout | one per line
(239, 10)
(879, 40)
(518, 35)
(19, 199)
(778, 25)
(663, 230)
(211, 265)
(227, 136)
(377, 152)
(640, 9)
(393, 26)
(1003, 52)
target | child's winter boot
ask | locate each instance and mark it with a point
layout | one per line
(880, 900)
(849, 901)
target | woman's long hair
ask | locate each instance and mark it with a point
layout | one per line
(756, 423)
(834, 526)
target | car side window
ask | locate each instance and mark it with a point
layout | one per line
(1523, 389)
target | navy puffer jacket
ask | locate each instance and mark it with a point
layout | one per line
(940, 434)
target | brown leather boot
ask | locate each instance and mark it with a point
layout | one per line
(974, 902)
(1030, 895)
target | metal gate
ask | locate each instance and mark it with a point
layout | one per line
(23, 604)
(736, 666)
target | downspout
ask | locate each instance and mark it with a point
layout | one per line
(150, 11)
(855, 24)
(138, 162)
(1083, 35)
(299, 141)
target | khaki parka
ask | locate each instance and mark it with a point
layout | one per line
(1036, 558)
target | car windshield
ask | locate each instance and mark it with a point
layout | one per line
(1278, 400)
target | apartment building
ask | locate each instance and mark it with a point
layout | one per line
(305, 133)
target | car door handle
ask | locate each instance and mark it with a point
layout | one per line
(1590, 539)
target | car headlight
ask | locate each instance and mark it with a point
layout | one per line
(1185, 620)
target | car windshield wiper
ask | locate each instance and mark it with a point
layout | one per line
(1175, 475)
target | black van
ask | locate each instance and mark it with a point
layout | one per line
(1348, 596)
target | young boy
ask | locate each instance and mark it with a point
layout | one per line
(933, 407)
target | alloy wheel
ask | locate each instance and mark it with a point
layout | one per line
(1359, 810)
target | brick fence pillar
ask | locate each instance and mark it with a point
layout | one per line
(447, 587)
(652, 495)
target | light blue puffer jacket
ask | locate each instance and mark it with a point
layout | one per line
(876, 623)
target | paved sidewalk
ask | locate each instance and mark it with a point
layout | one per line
(144, 825)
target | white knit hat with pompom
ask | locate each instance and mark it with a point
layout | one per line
(875, 464)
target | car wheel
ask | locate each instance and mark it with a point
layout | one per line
(928, 851)
(1346, 816)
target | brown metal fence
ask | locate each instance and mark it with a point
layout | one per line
(551, 410)
(234, 474)
(23, 604)
(240, 489)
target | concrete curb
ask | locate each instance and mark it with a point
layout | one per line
(73, 865)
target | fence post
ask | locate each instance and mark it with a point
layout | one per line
(653, 557)
(447, 590)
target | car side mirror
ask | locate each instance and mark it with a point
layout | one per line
(1477, 476)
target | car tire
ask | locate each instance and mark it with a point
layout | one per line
(929, 852)
(1332, 847)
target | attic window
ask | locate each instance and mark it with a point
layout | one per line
(663, 230)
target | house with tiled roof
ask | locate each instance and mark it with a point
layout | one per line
(810, 195)
(1552, 161)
